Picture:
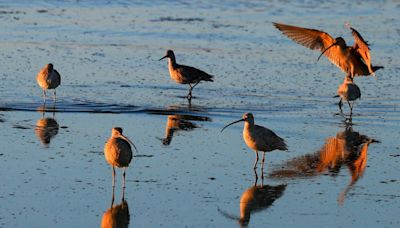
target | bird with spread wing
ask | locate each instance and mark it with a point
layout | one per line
(353, 60)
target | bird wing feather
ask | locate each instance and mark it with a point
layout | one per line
(194, 75)
(315, 40)
(362, 48)
(270, 138)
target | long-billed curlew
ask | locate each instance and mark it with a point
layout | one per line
(353, 60)
(185, 74)
(348, 91)
(259, 138)
(48, 78)
(118, 152)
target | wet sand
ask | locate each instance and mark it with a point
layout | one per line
(187, 173)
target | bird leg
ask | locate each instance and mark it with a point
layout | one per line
(44, 96)
(255, 163)
(340, 105)
(256, 177)
(262, 167)
(113, 176)
(351, 108)
(123, 177)
(55, 96)
(189, 96)
(112, 198)
(123, 195)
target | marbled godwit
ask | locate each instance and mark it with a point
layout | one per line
(259, 138)
(185, 74)
(348, 91)
(354, 61)
(118, 152)
(48, 78)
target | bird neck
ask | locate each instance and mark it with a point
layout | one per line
(172, 63)
(248, 125)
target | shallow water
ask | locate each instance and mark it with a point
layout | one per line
(186, 172)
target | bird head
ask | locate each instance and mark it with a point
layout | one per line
(49, 66)
(247, 117)
(168, 54)
(338, 41)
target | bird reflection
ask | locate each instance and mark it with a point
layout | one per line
(349, 148)
(117, 216)
(177, 123)
(255, 199)
(46, 127)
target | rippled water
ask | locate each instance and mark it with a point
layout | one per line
(187, 173)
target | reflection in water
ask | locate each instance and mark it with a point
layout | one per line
(255, 199)
(117, 216)
(180, 123)
(348, 148)
(46, 128)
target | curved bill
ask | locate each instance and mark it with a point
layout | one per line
(163, 58)
(124, 137)
(237, 121)
(326, 50)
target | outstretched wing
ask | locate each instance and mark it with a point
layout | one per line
(315, 40)
(361, 46)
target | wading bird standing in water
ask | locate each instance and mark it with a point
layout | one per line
(348, 91)
(118, 152)
(48, 78)
(353, 60)
(185, 74)
(259, 138)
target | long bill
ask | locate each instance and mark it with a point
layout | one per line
(237, 121)
(128, 140)
(326, 50)
(163, 57)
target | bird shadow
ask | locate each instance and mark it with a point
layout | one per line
(117, 215)
(255, 199)
(348, 149)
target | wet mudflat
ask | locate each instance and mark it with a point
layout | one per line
(188, 173)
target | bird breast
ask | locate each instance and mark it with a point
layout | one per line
(250, 139)
(48, 80)
(118, 152)
(177, 74)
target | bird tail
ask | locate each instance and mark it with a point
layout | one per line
(336, 96)
(208, 78)
(375, 68)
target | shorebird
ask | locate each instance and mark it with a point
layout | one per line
(118, 152)
(48, 78)
(185, 74)
(353, 60)
(259, 138)
(348, 91)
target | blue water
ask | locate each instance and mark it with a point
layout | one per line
(107, 54)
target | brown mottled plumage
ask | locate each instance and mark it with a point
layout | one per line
(185, 74)
(48, 78)
(354, 61)
(259, 138)
(348, 91)
(118, 152)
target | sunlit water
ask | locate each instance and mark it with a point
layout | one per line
(187, 173)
